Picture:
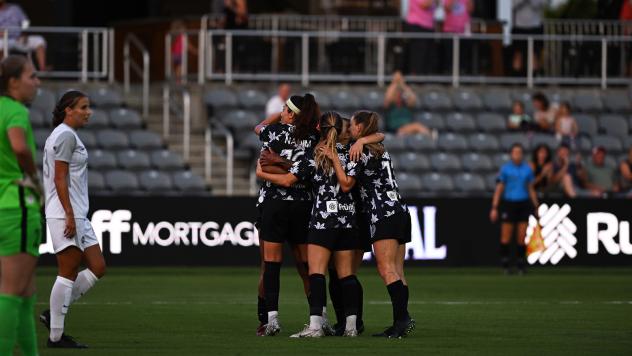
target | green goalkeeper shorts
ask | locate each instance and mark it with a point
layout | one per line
(20, 231)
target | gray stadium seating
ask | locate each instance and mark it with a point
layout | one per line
(476, 162)
(373, 100)
(99, 119)
(467, 100)
(491, 179)
(322, 99)
(40, 136)
(187, 181)
(614, 125)
(435, 100)
(460, 122)
(133, 160)
(420, 143)
(166, 160)
(102, 160)
(112, 139)
(145, 140)
(250, 141)
(437, 182)
(412, 162)
(445, 162)
(88, 139)
(586, 124)
(588, 102)
(37, 118)
(123, 118)
(220, 98)
(499, 159)
(155, 181)
(469, 183)
(121, 181)
(252, 99)
(44, 101)
(616, 101)
(430, 120)
(491, 122)
(611, 143)
(509, 139)
(627, 143)
(484, 142)
(105, 97)
(344, 100)
(452, 142)
(546, 139)
(96, 181)
(409, 184)
(497, 100)
(394, 143)
(584, 144)
(240, 120)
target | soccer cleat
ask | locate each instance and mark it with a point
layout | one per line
(402, 329)
(360, 326)
(307, 332)
(66, 342)
(261, 330)
(350, 333)
(339, 329)
(328, 330)
(272, 328)
(386, 333)
(45, 318)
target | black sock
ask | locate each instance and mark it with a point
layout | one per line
(262, 312)
(272, 284)
(398, 300)
(406, 296)
(335, 293)
(360, 303)
(349, 286)
(318, 294)
(522, 252)
(504, 255)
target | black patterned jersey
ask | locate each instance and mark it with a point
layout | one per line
(378, 187)
(278, 137)
(332, 208)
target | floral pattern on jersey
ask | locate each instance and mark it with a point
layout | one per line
(278, 138)
(332, 208)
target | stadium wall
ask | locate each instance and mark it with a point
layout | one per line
(159, 231)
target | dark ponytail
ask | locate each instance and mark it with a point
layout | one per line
(11, 68)
(68, 100)
(307, 120)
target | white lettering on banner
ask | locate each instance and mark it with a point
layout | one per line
(607, 235)
(423, 246)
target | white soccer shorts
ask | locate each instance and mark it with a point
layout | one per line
(84, 238)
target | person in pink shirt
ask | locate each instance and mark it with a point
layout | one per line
(457, 15)
(420, 19)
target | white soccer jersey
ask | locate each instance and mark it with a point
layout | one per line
(63, 144)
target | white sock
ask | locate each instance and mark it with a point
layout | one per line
(59, 302)
(315, 322)
(85, 280)
(351, 322)
(272, 316)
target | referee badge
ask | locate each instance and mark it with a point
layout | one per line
(332, 206)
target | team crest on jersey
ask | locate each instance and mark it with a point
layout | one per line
(332, 206)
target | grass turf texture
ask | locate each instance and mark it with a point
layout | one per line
(211, 311)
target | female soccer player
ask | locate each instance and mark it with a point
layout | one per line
(389, 224)
(515, 186)
(20, 205)
(66, 186)
(331, 227)
(285, 211)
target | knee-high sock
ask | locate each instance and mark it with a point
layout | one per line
(360, 301)
(335, 293)
(398, 300)
(262, 312)
(9, 320)
(504, 255)
(317, 299)
(521, 250)
(60, 297)
(27, 338)
(271, 286)
(406, 295)
(350, 293)
(85, 280)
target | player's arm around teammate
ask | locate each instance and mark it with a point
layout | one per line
(74, 241)
(20, 205)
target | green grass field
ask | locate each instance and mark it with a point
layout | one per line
(211, 311)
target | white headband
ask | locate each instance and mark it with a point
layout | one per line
(292, 107)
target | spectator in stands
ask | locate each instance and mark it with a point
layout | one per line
(542, 167)
(275, 104)
(565, 172)
(177, 48)
(565, 125)
(543, 113)
(11, 15)
(457, 20)
(420, 19)
(398, 102)
(598, 179)
(235, 15)
(518, 120)
(527, 20)
(625, 175)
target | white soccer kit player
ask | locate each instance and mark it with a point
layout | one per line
(64, 144)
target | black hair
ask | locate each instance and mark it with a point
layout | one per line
(11, 68)
(534, 154)
(516, 145)
(306, 121)
(567, 104)
(541, 98)
(68, 100)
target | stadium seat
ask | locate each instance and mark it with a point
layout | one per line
(344, 100)
(435, 100)
(587, 102)
(96, 181)
(145, 140)
(409, 184)
(112, 139)
(525, 97)
(155, 181)
(509, 139)
(37, 118)
(420, 143)
(497, 100)
(44, 101)
(166, 160)
(484, 142)
(467, 100)
(252, 99)
(123, 118)
(133, 160)
(491, 122)
(121, 181)
(101, 160)
(437, 182)
(373, 100)
(412, 162)
(469, 183)
(39, 158)
(250, 141)
(452, 142)
(499, 159)
(220, 98)
(476, 162)
(584, 144)
(491, 179)
(614, 125)
(88, 139)
(394, 143)
(430, 120)
(627, 143)
(616, 102)
(586, 124)
(187, 181)
(105, 97)
(240, 120)
(611, 143)
(322, 99)
(544, 139)
(611, 162)
(445, 162)
(99, 119)
(40, 136)
(559, 97)
(459, 122)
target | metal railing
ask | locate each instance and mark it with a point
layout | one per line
(98, 39)
(142, 71)
(214, 128)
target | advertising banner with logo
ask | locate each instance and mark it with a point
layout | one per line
(162, 231)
